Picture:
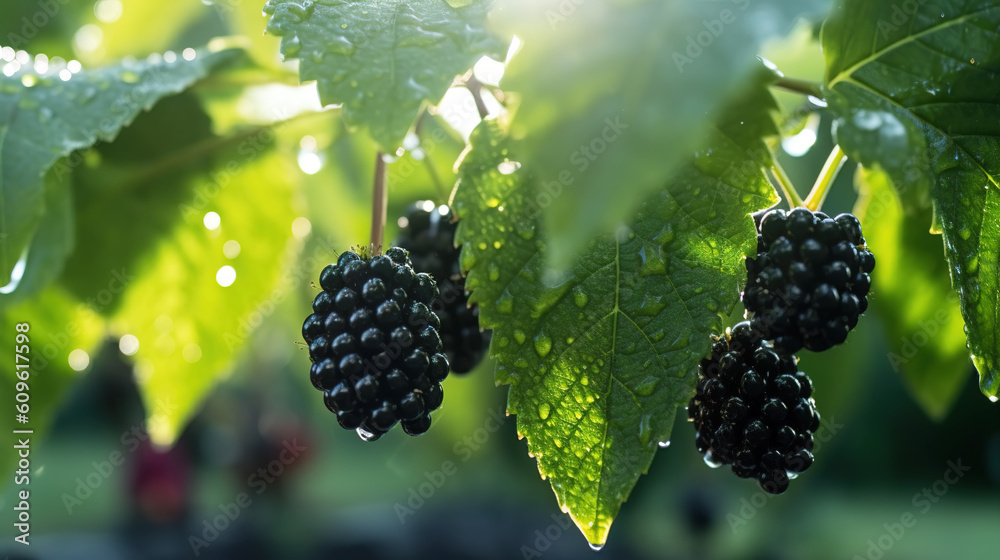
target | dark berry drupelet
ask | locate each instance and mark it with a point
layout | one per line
(374, 344)
(428, 233)
(809, 282)
(753, 410)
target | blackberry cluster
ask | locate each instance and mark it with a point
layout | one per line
(810, 279)
(428, 232)
(374, 344)
(753, 410)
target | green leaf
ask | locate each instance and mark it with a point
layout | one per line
(382, 60)
(58, 325)
(615, 94)
(51, 244)
(912, 296)
(915, 94)
(600, 356)
(146, 257)
(43, 118)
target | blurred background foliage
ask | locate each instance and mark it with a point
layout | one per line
(297, 190)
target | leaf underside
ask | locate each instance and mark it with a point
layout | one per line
(925, 331)
(382, 60)
(145, 208)
(619, 92)
(917, 93)
(43, 118)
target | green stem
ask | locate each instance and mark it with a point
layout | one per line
(826, 177)
(476, 88)
(380, 203)
(804, 87)
(787, 187)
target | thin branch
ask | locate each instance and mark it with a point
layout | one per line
(380, 203)
(826, 177)
(804, 87)
(791, 195)
(476, 88)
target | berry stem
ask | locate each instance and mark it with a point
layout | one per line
(787, 187)
(804, 87)
(476, 88)
(826, 177)
(380, 203)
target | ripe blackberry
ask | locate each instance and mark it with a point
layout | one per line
(809, 282)
(374, 344)
(753, 410)
(428, 232)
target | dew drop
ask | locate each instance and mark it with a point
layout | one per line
(972, 265)
(651, 305)
(543, 410)
(710, 461)
(366, 435)
(338, 76)
(645, 429)
(291, 46)
(647, 386)
(519, 336)
(580, 297)
(467, 259)
(340, 45)
(505, 305)
(664, 444)
(665, 236)
(595, 547)
(543, 345)
(525, 230)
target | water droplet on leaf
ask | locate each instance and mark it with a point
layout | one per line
(543, 410)
(543, 345)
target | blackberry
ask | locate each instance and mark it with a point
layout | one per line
(374, 344)
(809, 282)
(753, 410)
(428, 232)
